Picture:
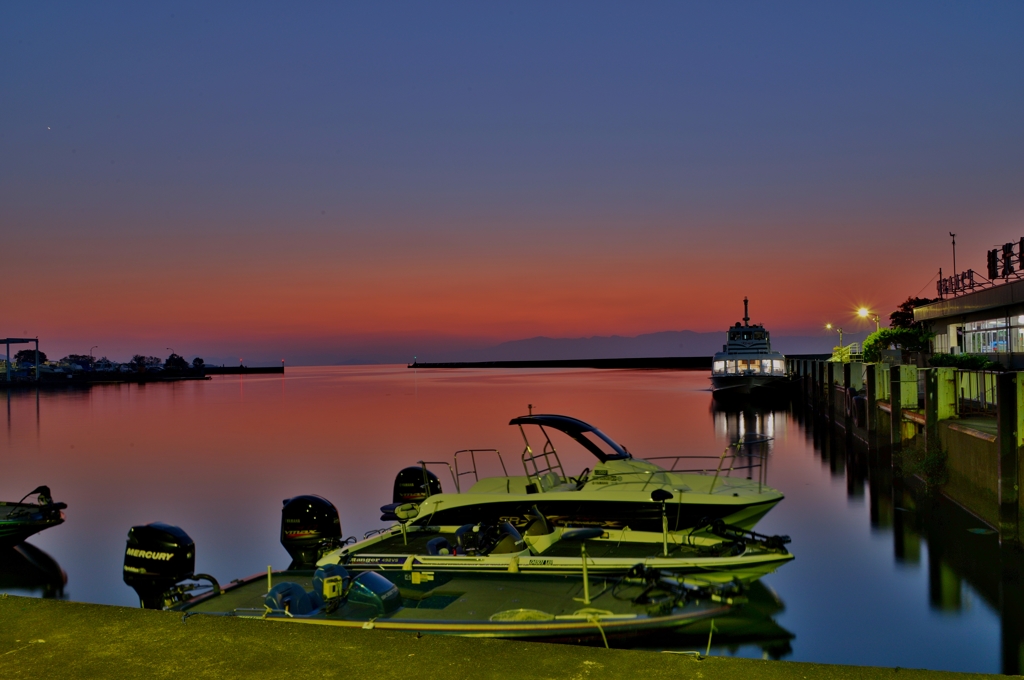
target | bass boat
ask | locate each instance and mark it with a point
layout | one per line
(159, 564)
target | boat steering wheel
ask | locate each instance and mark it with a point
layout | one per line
(581, 479)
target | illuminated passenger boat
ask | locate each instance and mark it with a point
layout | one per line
(747, 363)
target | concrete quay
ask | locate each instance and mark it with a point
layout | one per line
(53, 638)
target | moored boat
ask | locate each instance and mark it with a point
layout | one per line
(160, 560)
(621, 492)
(747, 363)
(20, 520)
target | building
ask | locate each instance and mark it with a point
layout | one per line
(985, 319)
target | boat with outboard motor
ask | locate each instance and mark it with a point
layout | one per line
(747, 363)
(20, 520)
(311, 533)
(159, 565)
(621, 492)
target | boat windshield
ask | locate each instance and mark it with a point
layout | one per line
(588, 436)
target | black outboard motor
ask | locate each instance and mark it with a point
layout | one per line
(310, 527)
(412, 485)
(157, 557)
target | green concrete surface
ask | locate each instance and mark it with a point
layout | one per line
(57, 639)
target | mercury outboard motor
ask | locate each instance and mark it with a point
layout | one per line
(156, 558)
(310, 527)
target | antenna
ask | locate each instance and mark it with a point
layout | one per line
(746, 315)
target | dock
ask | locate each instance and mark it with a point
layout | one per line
(60, 639)
(959, 431)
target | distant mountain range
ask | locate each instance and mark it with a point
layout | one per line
(661, 344)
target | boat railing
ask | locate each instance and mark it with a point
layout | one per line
(751, 453)
(472, 459)
(426, 481)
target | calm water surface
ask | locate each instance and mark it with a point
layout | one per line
(883, 575)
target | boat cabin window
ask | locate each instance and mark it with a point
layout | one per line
(718, 367)
(734, 336)
(746, 335)
(758, 335)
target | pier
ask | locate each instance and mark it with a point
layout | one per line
(959, 431)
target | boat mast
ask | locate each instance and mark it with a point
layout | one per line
(746, 315)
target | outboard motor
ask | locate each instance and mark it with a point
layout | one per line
(310, 527)
(413, 484)
(157, 557)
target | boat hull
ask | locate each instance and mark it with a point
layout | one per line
(19, 521)
(608, 514)
(745, 384)
(474, 605)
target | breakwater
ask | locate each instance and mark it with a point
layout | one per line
(639, 363)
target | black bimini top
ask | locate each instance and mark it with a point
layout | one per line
(577, 429)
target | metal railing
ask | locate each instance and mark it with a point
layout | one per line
(976, 392)
(751, 450)
(472, 459)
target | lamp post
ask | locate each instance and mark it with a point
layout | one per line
(91, 349)
(829, 326)
(865, 313)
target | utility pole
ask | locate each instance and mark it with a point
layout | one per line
(954, 252)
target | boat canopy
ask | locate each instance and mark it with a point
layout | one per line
(580, 431)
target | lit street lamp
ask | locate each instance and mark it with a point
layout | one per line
(829, 326)
(865, 313)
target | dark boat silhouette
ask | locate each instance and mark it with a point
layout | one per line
(20, 520)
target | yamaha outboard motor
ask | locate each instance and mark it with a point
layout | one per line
(413, 484)
(157, 557)
(310, 527)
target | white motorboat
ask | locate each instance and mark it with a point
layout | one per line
(620, 493)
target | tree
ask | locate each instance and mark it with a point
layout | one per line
(28, 356)
(198, 363)
(176, 363)
(911, 339)
(903, 317)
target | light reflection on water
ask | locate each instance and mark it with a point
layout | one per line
(882, 575)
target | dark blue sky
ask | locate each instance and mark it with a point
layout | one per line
(321, 146)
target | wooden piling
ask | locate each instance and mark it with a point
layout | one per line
(1008, 439)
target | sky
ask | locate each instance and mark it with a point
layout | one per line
(331, 182)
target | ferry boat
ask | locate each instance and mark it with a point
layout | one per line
(747, 363)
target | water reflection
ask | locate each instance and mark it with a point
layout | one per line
(963, 555)
(27, 570)
(884, 573)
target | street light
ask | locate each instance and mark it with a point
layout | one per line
(171, 348)
(91, 349)
(829, 326)
(865, 313)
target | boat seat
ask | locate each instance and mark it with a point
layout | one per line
(439, 546)
(292, 598)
